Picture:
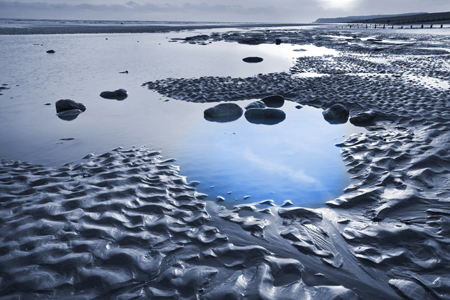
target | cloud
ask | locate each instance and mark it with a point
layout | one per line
(134, 10)
(344, 5)
(273, 168)
(294, 11)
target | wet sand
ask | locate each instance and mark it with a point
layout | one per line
(126, 224)
(21, 27)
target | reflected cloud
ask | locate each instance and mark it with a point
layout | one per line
(273, 167)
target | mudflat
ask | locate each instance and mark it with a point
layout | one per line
(126, 223)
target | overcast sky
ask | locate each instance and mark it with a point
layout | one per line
(297, 11)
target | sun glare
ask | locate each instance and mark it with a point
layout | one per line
(342, 4)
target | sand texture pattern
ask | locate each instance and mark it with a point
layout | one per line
(394, 217)
(126, 225)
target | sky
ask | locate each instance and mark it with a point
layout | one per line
(283, 11)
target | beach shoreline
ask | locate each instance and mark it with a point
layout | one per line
(21, 27)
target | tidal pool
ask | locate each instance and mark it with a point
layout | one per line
(294, 160)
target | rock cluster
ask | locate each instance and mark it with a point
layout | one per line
(258, 112)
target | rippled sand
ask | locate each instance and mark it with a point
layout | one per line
(125, 224)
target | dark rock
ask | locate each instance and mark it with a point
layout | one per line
(274, 101)
(277, 41)
(256, 104)
(251, 41)
(50, 51)
(267, 116)
(197, 37)
(69, 115)
(119, 94)
(252, 59)
(363, 119)
(67, 104)
(224, 112)
(336, 114)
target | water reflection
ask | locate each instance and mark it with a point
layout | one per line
(296, 159)
(69, 115)
(266, 116)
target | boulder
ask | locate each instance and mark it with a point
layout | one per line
(363, 119)
(267, 116)
(119, 94)
(274, 101)
(50, 51)
(278, 41)
(256, 104)
(224, 112)
(252, 59)
(336, 114)
(67, 104)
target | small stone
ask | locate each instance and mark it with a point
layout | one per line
(67, 104)
(220, 199)
(69, 110)
(274, 101)
(224, 112)
(336, 114)
(363, 119)
(50, 51)
(252, 59)
(266, 116)
(256, 104)
(119, 94)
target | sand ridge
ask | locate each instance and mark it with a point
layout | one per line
(125, 224)
(394, 215)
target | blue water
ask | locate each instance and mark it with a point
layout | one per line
(294, 160)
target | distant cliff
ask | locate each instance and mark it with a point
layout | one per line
(420, 18)
(351, 19)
